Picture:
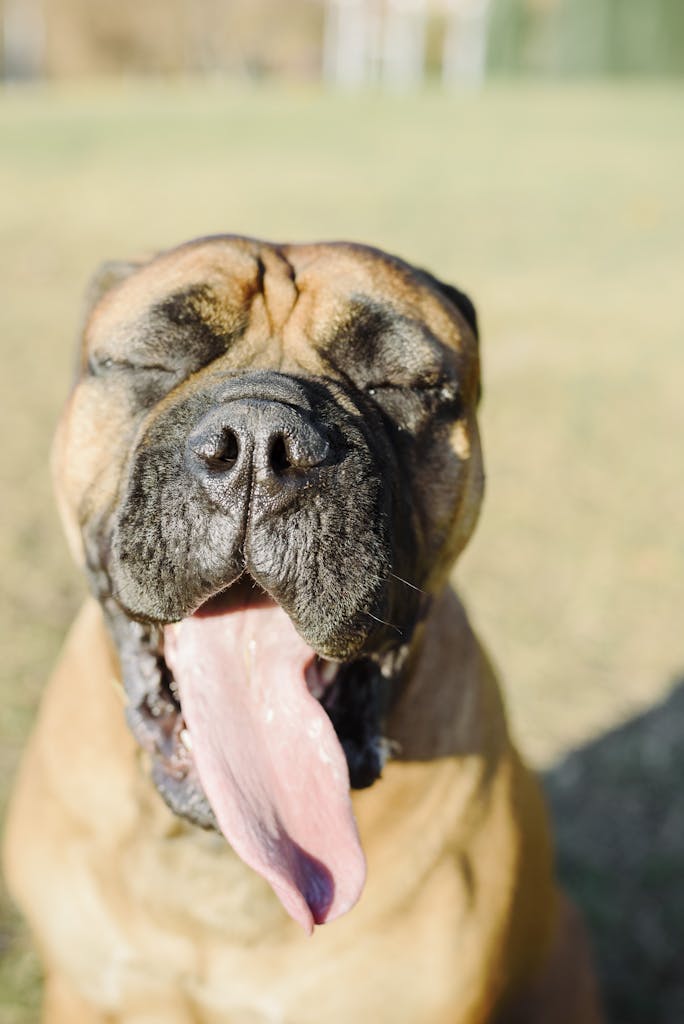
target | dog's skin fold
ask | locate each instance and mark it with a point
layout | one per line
(266, 468)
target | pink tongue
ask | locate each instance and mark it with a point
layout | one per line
(268, 757)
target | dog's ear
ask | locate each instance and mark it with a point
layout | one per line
(466, 308)
(106, 277)
(463, 304)
(459, 299)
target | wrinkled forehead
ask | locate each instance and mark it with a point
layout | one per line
(302, 297)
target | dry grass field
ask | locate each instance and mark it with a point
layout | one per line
(561, 211)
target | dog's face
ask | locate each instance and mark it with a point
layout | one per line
(269, 461)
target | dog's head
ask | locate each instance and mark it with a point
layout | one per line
(268, 463)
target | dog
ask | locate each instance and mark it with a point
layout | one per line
(273, 714)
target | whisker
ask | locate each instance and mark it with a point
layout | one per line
(382, 622)
(411, 585)
(119, 594)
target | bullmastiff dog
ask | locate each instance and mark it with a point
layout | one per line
(271, 780)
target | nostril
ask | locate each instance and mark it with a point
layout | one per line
(291, 452)
(230, 449)
(221, 452)
(278, 457)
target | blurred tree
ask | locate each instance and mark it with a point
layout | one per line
(403, 43)
(90, 37)
(23, 38)
(621, 36)
(509, 29)
(465, 42)
(392, 42)
(352, 42)
(587, 37)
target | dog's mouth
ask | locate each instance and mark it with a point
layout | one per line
(251, 731)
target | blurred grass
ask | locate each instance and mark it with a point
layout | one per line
(560, 210)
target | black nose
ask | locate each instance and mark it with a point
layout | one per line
(275, 443)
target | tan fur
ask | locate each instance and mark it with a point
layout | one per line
(144, 919)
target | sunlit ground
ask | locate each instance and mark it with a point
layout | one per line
(561, 211)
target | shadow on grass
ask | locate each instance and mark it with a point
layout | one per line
(618, 808)
(20, 973)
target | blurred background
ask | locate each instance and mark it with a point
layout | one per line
(529, 151)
